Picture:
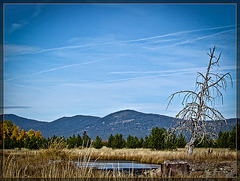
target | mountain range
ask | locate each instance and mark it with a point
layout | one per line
(123, 122)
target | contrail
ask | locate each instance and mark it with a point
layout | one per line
(129, 41)
(190, 70)
(178, 33)
(126, 79)
(200, 38)
(57, 68)
(159, 74)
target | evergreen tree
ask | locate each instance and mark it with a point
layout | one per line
(11, 145)
(208, 142)
(53, 138)
(7, 141)
(118, 141)
(70, 142)
(145, 143)
(136, 142)
(33, 144)
(156, 138)
(98, 143)
(38, 142)
(14, 142)
(181, 141)
(129, 143)
(74, 141)
(222, 140)
(20, 143)
(170, 140)
(79, 141)
(122, 141)
(26, 145)
(110, 141)
(232, 138)
(44, 143)
(84, 134)
(141, 141)
(86, 141)
(205, 142)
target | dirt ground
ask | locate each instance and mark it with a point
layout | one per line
(208, 169)
(223, 169)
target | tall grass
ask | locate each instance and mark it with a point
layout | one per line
(150, 156)
(59, 162)
(54, 162)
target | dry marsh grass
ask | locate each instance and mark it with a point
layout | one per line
(150, 156)
(57, 161)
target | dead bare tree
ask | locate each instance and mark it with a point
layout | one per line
(199, 116)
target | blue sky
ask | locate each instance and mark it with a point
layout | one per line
(95, 59)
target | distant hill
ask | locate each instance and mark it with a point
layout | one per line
(123, 122)
(66, 126)
(131, 122)
(24, 123)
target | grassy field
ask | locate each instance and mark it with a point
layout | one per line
(46, 163)
(150, 156)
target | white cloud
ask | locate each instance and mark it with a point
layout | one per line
(17, 26)
(10, 49)
(20, 24)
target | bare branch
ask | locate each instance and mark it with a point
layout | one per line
(193, 117)
(180, 92)
(220, 79)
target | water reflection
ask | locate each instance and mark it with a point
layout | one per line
(119, 165)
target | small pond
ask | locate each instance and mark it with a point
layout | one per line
(119, 165)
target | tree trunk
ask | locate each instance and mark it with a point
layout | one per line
(191, 145)
(190, 149)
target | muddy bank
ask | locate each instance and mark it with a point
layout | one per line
(223, 169)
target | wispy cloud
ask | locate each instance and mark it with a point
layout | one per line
(97, 43)
(159, 74)
(178, 33)
(188, 70)
(200, 38)
(20, 24)
(61, 67)
(37, 11)
(10, 49)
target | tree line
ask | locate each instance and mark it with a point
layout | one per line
(158, 139)
(14, 137)
(226, 139)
